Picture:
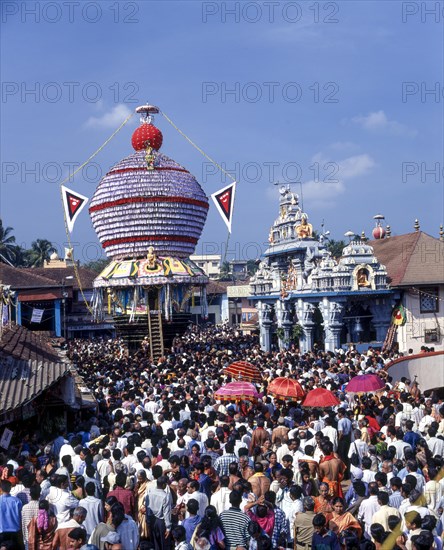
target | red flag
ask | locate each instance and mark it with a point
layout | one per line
(73, 203)
(224, 201)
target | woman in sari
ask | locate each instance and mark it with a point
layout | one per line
(341, 520)
(139, 497)
(42, 529)
(323, 502)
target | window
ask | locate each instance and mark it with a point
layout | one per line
(428, 300)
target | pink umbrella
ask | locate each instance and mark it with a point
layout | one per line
(365, 383)
(237, 390)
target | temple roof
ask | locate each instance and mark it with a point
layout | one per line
(411, 259)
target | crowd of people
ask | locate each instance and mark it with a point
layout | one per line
(161, 464)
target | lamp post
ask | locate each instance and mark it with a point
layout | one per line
(65, 295)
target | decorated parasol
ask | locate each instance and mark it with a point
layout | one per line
(320, 398)
(243, 370)
(237, 390)
(365, 383)
(286, 388)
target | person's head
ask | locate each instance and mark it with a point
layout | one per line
(34, 492)
(90, 488)
(192, 507)
(308, 504)
(323, 489)
(178, 533)
(377, 532)
(383, 498)
(423, 541)
(79, 514)
(235, 498)
(338, 505)
(394, 523)
(5, 486)
(162, 482)
(412, 520)
(121, 480)
(319, 522)
(76, 538)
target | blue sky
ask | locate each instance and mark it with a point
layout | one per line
(317, 96)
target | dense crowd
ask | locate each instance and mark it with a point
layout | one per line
(161, 464)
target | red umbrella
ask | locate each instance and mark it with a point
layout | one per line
(286, 388)
(320, 397)
(242, 370)
(365, 383)
(237, 390)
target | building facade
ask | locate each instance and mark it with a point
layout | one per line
(301, 291)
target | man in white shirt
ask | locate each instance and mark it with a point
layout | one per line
(61, 500)
(331, 433)
(94, 508)
(435, 444)
(103, 465)
(221, 498)
(369, 507)
(358, 446)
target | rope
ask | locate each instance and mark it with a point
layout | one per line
(197, 147)
(202, 152)
(68, 236)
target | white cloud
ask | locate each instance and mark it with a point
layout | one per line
(357, 165)
(342, 145)
(111, 119)
(379, 122)
(333, 177)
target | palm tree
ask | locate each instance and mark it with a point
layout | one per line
(40, 252)
(225, 273)
(7, 244)
(335, 248)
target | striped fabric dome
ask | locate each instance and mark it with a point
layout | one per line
(135, 207)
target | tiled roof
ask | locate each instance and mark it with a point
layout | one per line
(23, 344)
(57, 274)
(411, 259)
(19, 277)
(22, 381)
(28, 366)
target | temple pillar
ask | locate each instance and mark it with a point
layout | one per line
(265, 322)
(332, 313)
(304, 311)
(381, 309)
(283, 322)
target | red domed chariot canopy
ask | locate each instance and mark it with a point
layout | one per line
(147, 135)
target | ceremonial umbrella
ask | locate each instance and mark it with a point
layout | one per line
(320, 398)
(365, 383)
(243, 370)
(286, 388)
(237, 390)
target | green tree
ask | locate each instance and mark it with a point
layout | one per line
(40, 252)
(97, 265)
(225, 273)
(21, 256)
(335, 248)
(7, 244)
(252, 267)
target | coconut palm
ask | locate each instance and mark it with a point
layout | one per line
(40, 252)
(7, 244)
(225, 273)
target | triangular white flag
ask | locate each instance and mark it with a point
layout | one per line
(224, 201)
(73, 203)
